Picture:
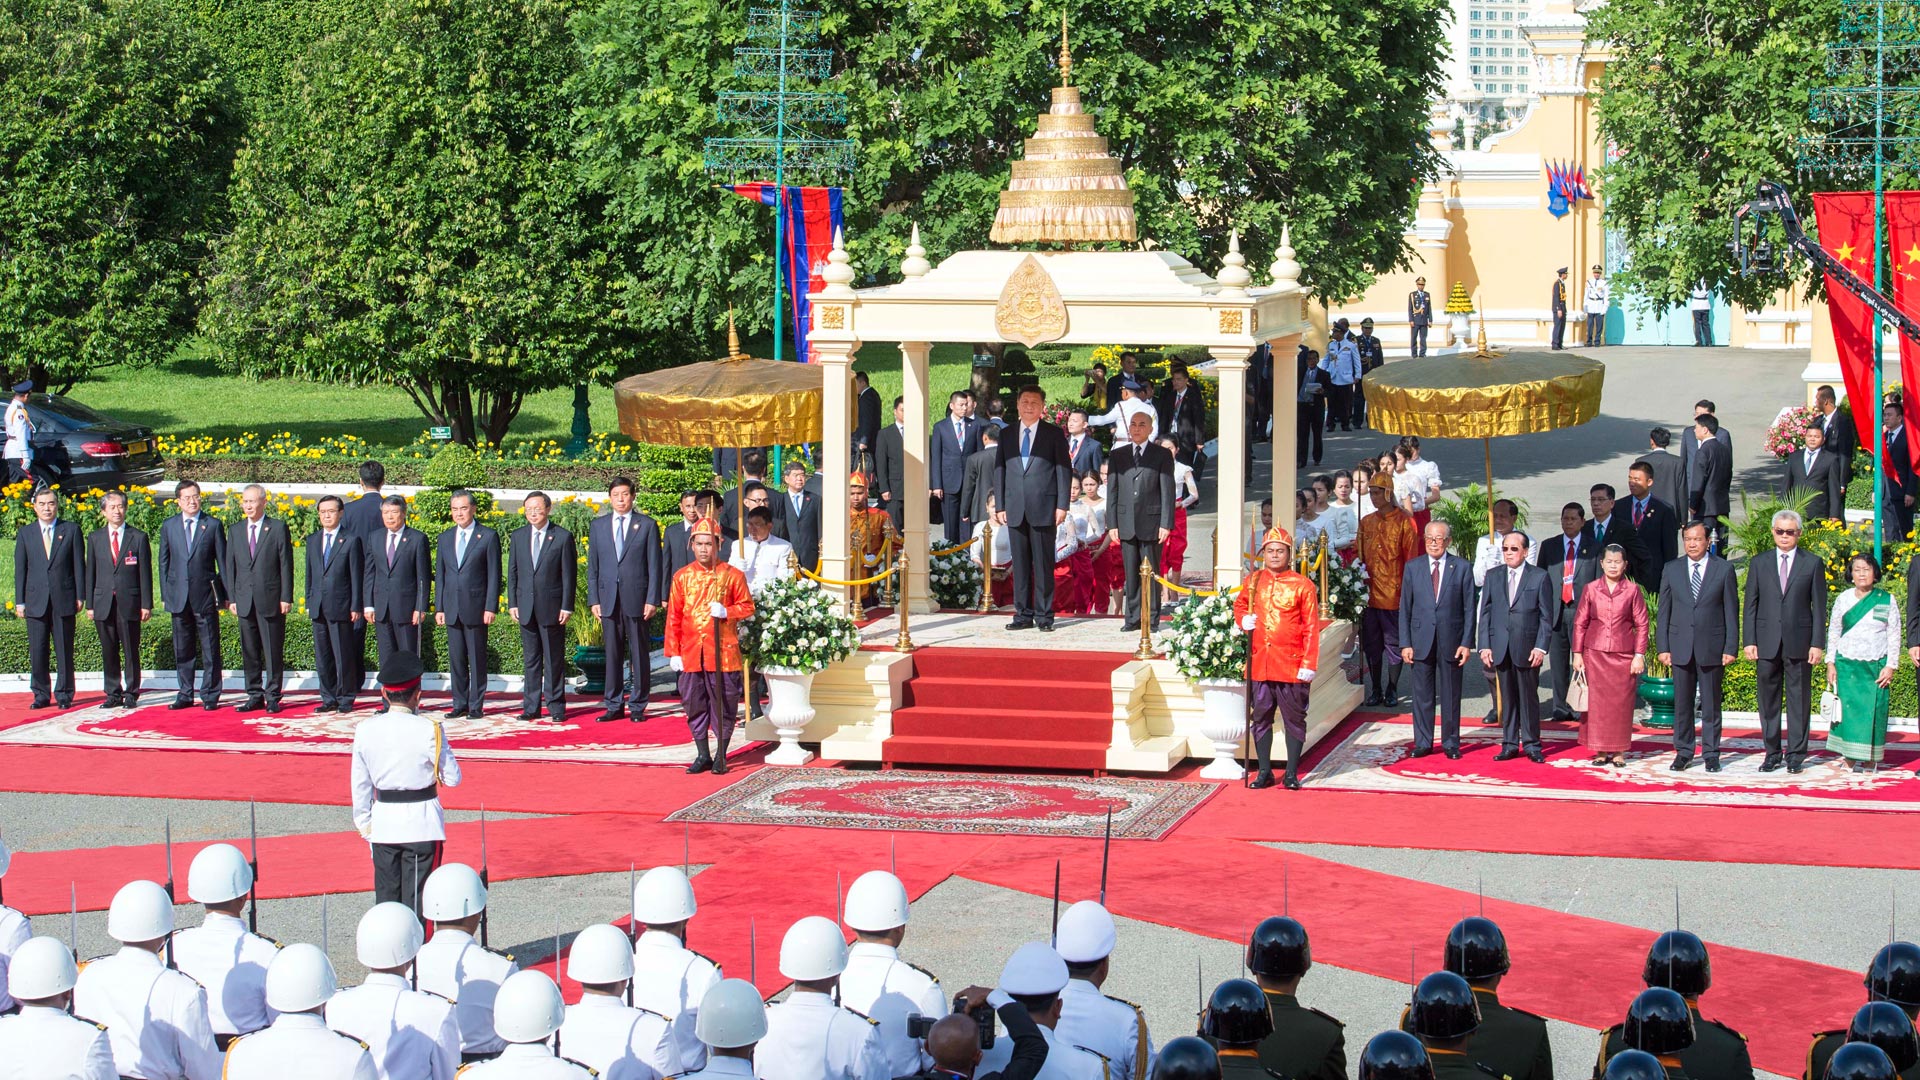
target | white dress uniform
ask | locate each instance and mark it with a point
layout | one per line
(761, 560)
(411, 1035)
(40, 1043)
(14, 932)
(1108, 1026)
(454, 966)
(1064, 1060)
(722, 1068)
(811, 1038)
(156, 1018)
(396, 752)
(888, 990)
(299, 1047)
(670, 979)
(232, 965)
(526, 1061)
(617, 1042)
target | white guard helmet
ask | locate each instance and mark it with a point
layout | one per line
(663, 896)
(41, 968)
(731, 1016)
(140, 912)
(528, 1008)
(877, 902)
(452, 893)
(813, 949)
(600, 955)
(218, 874)
(299, 979)
(389, 936)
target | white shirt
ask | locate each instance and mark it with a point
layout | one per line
(1597, 293)
(1066, 540)
(1121, 415)
(411, 1035)
(1108, 1026)
(617, 1042)
(1002, 548)
(454, 966)
(231, 964)
(1065, 1061)
(1423, 480)
(1341, 524)
(526, 1061)
(811, 1038)
(395, 751)
(156, 1018)
(1701, 299)
(1185, 493)
(888, 990)
(14, 932)
(761, 560)
(46, 1044)
(1486, 556)
(299, 1047)
(670, 979)
(19, 431)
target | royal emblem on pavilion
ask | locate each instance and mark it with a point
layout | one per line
(1030, 310)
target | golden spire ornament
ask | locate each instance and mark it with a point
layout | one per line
(1066, 54)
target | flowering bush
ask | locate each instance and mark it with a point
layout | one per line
(794, 626)
(954, 580)
(1346, 592)
(1207, 643)
(1788, 434)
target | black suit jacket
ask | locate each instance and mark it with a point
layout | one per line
(260, 580)
(1087, 460)
(730, 508)
(1826, 481)
(471, 588)
(1669, 479)
(1900, 480)
(540, 593)
(1434, 629)
(889, 465)
(1188, 423)
(1712, 477)
(867, 423)
(947, 456)
(190, 577)
(361, 516)
(1785, 625)
(1659, 531)
(127, 580)
(49, 582)
(396, 592)
(638, 576)
(802, 530)
(979, 482)
(1841, 439)
(1552, 557)
(1699, 631)
(1692, 468)
(676, 541)
(337, 583)
(1641, 566)
(1513, 631)
(1031, 495)
(1140, 494)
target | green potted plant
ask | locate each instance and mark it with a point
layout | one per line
(1209, 650)
(589, 636)
(1656, 685)
(794, 634)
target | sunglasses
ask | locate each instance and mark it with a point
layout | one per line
(1786, 532)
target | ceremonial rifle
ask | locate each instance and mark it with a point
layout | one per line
(753, 954)
(839, 900)
(1055, 935)
(169, 843)
(253, 855)
(323, 922)
(1106, 853)
(73, 918)
(483, 873)
(633, 928)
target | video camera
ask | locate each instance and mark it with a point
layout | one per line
(919, 1027)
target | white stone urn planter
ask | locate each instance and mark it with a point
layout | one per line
(1460, 328)
(790, 710)
(1223, 720)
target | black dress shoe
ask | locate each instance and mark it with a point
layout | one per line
(250, 706)
(1419, 753)
(1046, 627)
(1507, 753)
(1713, 764)
(1263, 780)
(210, 706)
(180, 703)
(719, 765)
(41, 705)
(701, 764)
(112, 702)
(130, 701)
(609, 715)
(1490, 720)
(639, 717)
(1681, 763)
(1020, 624)
(1771, 764)
(1536, 757)
(1129, 627)
(1796, 766)
(1290, 782)
(529, 716)
(65, 703)
(456, 714)
(1453, 755)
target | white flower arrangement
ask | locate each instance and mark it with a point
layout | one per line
(1206, 642)
(794, 626)
(1346, 592)
(955, 580)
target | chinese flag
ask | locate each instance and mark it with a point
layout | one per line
(1903, 238)
(1845, 219)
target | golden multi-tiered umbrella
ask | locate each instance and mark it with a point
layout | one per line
(1067, 189)
(737, 400)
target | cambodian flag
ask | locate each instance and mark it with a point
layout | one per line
(1580, 189)
(813, 215)
(1556, 191)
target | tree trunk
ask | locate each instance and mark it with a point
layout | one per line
(499, 408)
(986, 380)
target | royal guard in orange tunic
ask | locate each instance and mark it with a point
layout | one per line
(708, 598)
(868, 530)
(1388, 542)
(1279, 609)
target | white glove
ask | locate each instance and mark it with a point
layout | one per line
(717, 609)
(676, 663)
(1248, 622)
(1305, 674)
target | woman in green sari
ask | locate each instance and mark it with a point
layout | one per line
(1863, 649)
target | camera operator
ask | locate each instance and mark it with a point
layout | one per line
(954, 1042)
(1034, 978)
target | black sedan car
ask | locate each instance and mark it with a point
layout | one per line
(77, 448)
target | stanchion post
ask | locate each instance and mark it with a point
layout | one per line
(986, 566)
(1326, 564)
(905, 642)
(1147, 611)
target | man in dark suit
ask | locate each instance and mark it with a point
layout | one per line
(953, 439)
(1838, 429)
(1901, 484)
(360, 516)
(796, 516)
(979, 479)
(399, 573)
(626, 581)
(1696, 634)
(541, 568)
(1570, 560)
(1785, 628)
(1611, 524)
(193, 549)
(1819, 473)
(336, 582)
(1692, 468)
(752, 470)
(1129, 369)
(890, 468)
(1712, 465)
(466, 583)
(1310, 406)
(119, 597)
(1516, 614)
(49, 578)
(1139, 509)
(1653, 519)
(1183, 415)
(1437, 611)
(259, 576)
(1669, 478)
(1083, 450)
(676, 538)
(1031, 489)
(866, 426)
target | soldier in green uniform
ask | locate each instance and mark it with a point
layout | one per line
(1678, 961)
(1306, 1043)
(1444, 1015)
(1186, 1058)
(1236, 1021)
(1659, 1023)
(1860, 1061)
(1395, 1055)
(1894, 976)
(1511, 1042)
(1881, 1023)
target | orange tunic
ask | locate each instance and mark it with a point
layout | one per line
(690, 615)
(867, 533)
(1388, 541)
(1286, 633)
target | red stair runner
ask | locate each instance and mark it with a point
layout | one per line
(1026, 709)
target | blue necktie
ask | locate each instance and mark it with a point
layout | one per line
(326, 551)
(1026, 443)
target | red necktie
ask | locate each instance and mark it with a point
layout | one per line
(1436, 579)
(1639, 512)
(113, 544)
(1566, 575)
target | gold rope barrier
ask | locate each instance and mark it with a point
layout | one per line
(1183, 591)
(845, 584)
(955, 549)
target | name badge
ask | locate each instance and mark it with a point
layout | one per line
(131, 561)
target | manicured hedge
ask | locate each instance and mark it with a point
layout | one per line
(156, 645)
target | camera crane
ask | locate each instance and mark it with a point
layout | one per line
(1759, 257)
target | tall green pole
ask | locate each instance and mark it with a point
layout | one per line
(780, 193)
(1879, 274)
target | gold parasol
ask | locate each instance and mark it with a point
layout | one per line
(1466, 397)
(734, 401)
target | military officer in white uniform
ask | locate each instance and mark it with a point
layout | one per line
(809, 1036)
(400, 760)
(527, 1012)
(411, 1034)
(880, 984)
(732, 1021)
(1113, 1028)
(454, 965)
(42, 1042)
(156, 1018)
(1035, 976)
(669, 978)
(230, 963)
(601, 1032)
(14, 932)
(298, 1045)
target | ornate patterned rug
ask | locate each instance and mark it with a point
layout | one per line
(913, 801)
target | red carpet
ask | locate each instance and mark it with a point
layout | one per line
(1006, 707)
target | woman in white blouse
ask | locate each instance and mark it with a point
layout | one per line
(1185, 494)
(1102, 570)
(1337, 519)
(1306, 520)
(1863, 650)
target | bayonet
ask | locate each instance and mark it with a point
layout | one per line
(1055, 933)
(485, 879)
(323, 922)
(73, 918)
(753, 954)
(170, 899)
(253, 854)
(1106, 854)
(633, 927)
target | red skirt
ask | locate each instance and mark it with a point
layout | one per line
(1107, 576)
(1176, 546)
(1070, 583)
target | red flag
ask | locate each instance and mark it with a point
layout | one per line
(1845, 219)
(1903, 259)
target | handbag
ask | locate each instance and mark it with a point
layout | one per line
(1577, 692)
(1830, 707)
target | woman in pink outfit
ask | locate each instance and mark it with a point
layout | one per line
(1609, 645)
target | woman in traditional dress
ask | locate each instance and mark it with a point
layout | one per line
(1306, 520)
(1609, 645)
(1863, 649)
(1337, 516)
(1089, 511)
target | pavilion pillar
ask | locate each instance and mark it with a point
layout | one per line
(1230, 525)
(914, 391)
(836, 453)
(1286, 429)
